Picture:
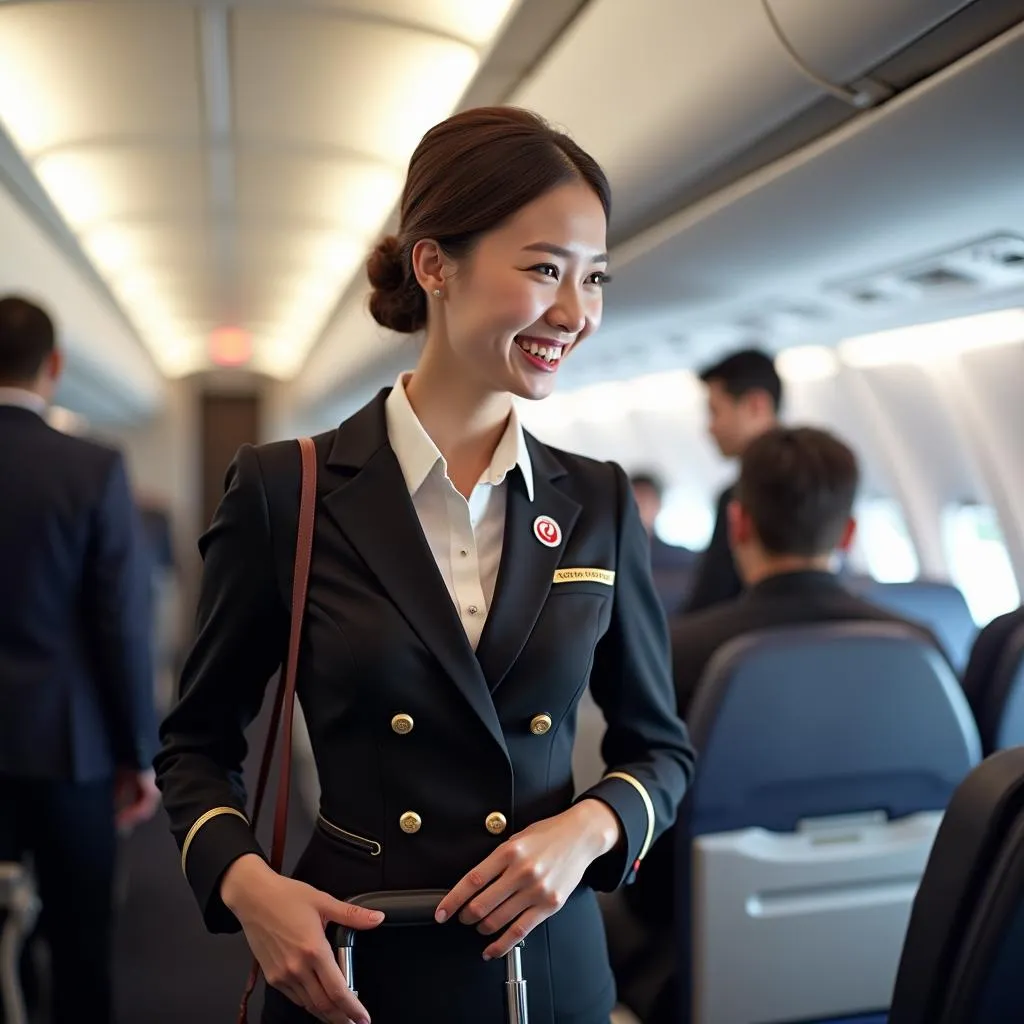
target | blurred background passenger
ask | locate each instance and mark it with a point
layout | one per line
(77, 723)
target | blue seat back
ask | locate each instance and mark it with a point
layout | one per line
(818, 721)
(827, 719)
(939, 606)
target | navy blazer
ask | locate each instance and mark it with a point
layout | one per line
(76, 670)
(407, 719)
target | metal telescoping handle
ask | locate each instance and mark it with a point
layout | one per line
(18, 898)
(515, 986)
(414, 908)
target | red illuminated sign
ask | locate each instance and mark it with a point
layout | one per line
(230, 346)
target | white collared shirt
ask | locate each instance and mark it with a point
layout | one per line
(23, 399)
(465, 537)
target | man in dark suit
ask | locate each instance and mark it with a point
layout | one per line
(790, 515)
(77, 728)
(672, 566)
(744, 395)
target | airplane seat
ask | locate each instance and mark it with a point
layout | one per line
(828, 754)
(939, 606)
(999, 708)
(961, 957)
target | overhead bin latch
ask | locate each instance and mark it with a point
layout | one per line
(862, 94)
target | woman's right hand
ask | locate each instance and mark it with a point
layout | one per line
(284, 922)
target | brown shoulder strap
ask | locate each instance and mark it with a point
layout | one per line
(284, 701)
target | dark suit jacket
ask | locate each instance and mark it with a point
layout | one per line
(382, 638)
(717, 577)
(785, 600)
(76, 672)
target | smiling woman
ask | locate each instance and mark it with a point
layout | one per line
(468, 585)
(471, 175)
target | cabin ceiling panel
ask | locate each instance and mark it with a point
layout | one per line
(474, 21)
(86, 73)
(104, 184)
(125, 247)
(307, 79)
(345, 193)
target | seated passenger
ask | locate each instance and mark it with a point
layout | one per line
(671, 565)
(791, 513)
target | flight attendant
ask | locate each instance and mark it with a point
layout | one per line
(468, 583)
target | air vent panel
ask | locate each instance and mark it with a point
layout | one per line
(984, 265)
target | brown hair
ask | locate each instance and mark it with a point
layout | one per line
(27, 338)
(467, 175)
(798, 486)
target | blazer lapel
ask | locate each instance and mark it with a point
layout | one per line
(527, 566)
(373, 509)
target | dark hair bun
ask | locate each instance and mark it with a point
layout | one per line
(397, 301)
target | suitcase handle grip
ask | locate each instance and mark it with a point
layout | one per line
(401, 907)
(412, 907)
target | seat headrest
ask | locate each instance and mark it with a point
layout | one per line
(826, 719)
(939, 606)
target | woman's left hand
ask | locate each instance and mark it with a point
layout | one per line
(529, 877)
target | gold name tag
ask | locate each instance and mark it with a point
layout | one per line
(606, 576)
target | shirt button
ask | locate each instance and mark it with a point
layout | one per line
(463, 552)
(472, 609)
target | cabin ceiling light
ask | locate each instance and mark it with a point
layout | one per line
(806, 363)
(924, 343)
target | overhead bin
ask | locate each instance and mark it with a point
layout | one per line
(661, 93)
(684, 89)
(842, 42)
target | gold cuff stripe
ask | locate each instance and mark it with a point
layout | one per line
(200, 822)
(648, 804)
(585, 576)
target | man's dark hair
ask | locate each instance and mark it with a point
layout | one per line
(746, 371)
(647, 479)
(27, 338)
(798, 485)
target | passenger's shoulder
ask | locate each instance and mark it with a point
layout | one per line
(85, 452)
(714, 625)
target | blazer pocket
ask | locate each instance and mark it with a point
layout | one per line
(351, 840)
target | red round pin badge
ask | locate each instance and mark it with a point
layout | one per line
(547, 531)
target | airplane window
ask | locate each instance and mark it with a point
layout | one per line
(686, 518)
(883, 543)
(978, 561)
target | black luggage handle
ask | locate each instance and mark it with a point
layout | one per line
(404, 908)
(401, 907)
